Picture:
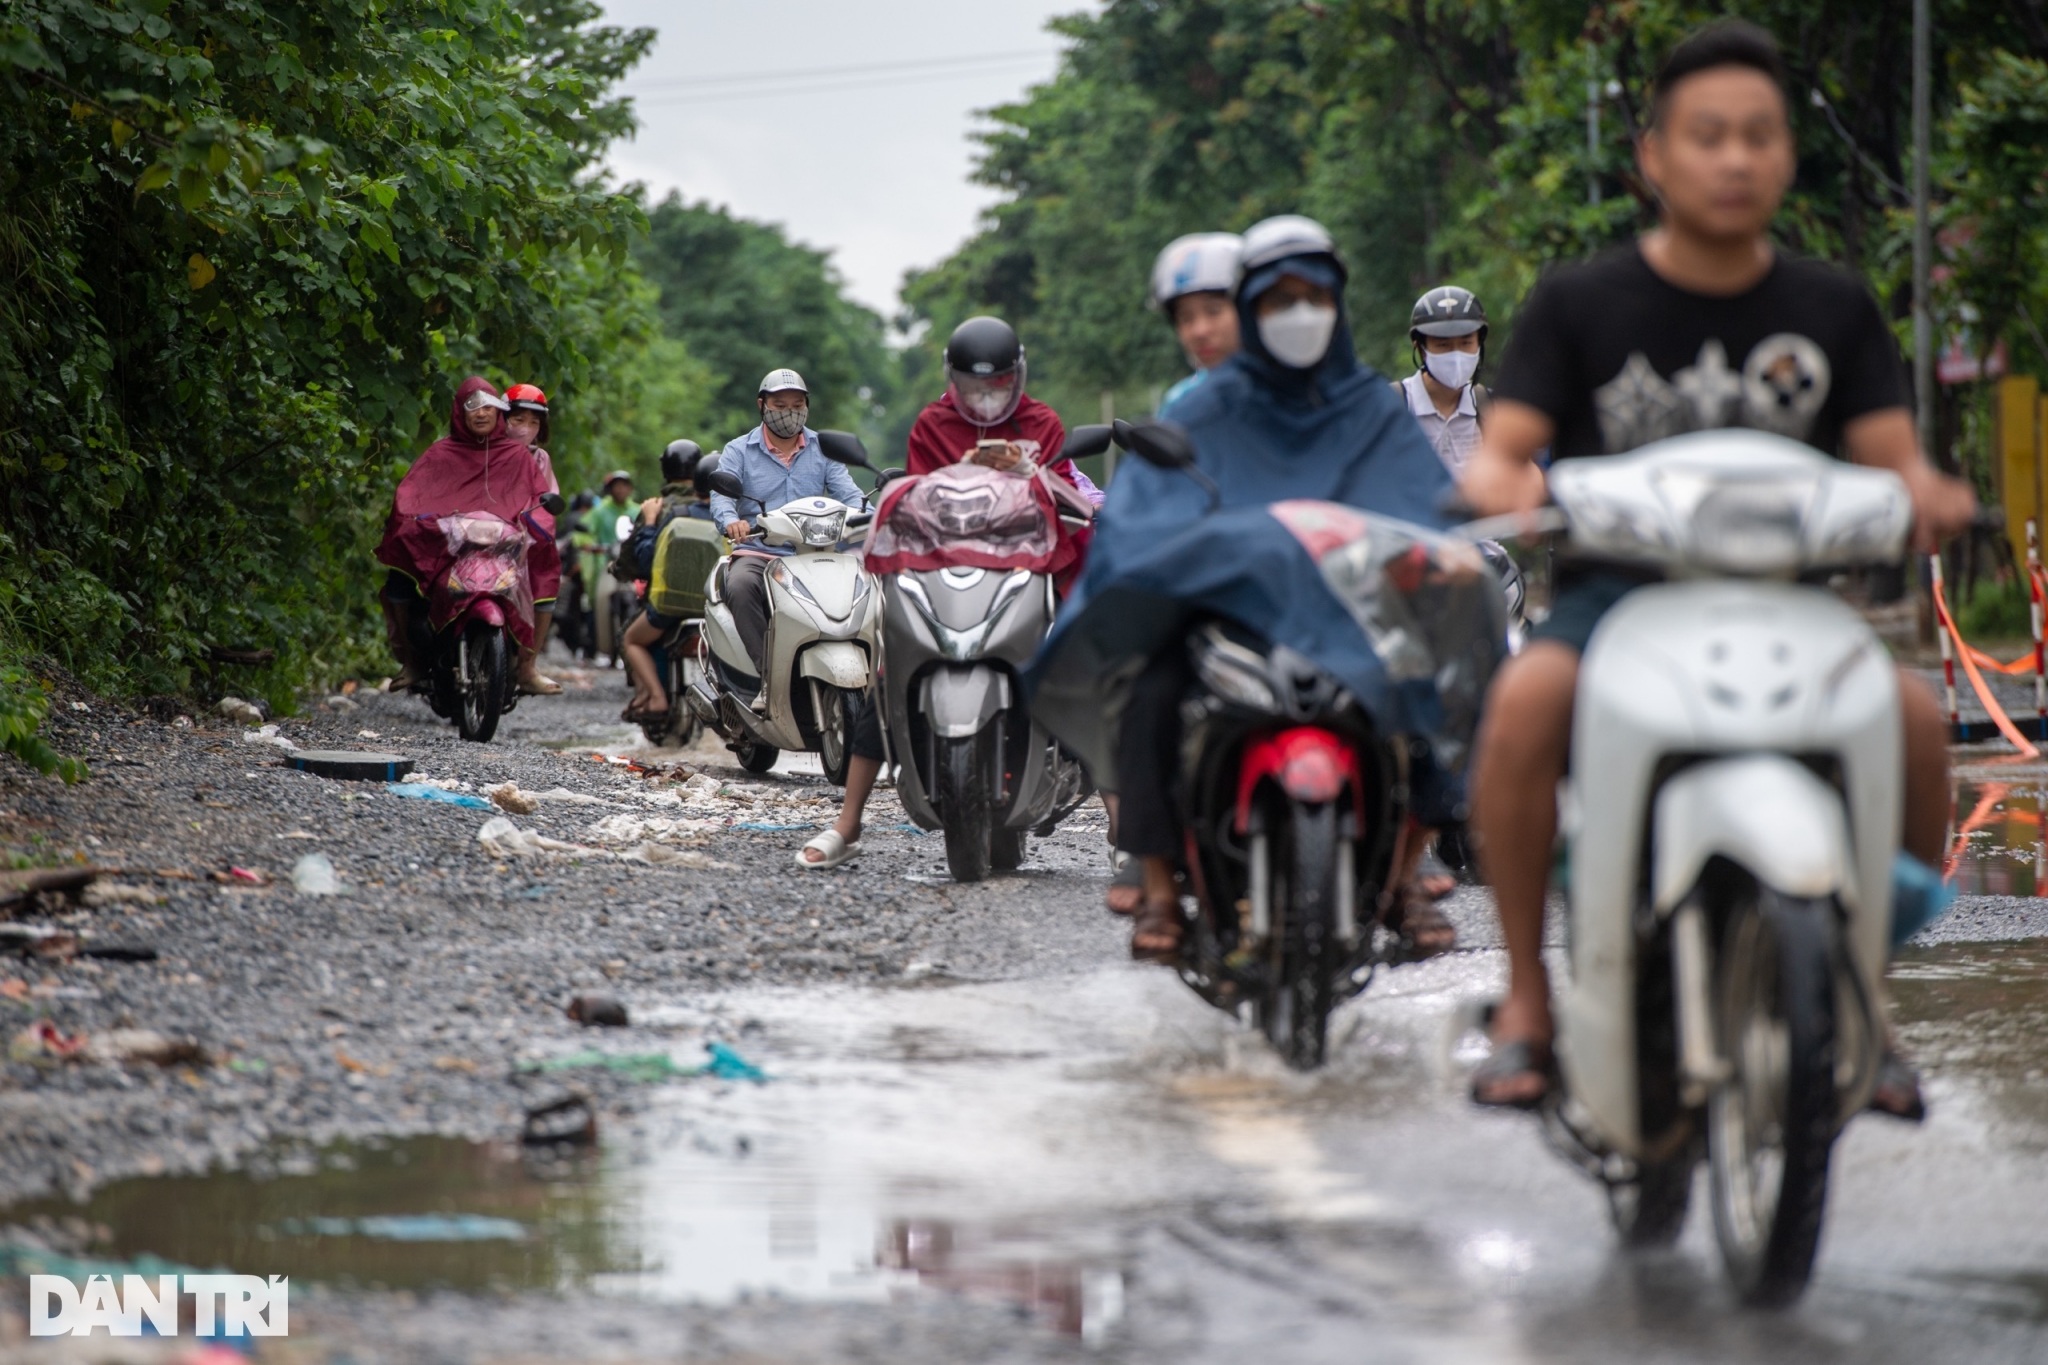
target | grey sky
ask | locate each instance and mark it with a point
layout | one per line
(875, 172)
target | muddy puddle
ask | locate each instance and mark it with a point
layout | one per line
(1998, 844)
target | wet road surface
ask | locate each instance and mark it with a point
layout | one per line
(1092, 1164)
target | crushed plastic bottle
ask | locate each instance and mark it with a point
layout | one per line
(314, 875)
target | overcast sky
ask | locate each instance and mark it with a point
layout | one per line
(870, 164)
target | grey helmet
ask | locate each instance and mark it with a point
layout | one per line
(1289, 234)
(1447, 311)
(1199, 263)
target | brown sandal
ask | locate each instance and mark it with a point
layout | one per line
(1156, 932)
(1425, 931)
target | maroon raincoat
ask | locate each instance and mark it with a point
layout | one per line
(942, 436)
(460, 472)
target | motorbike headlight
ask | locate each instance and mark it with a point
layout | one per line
(1234, 673)
(1751, 528)
(827, 529)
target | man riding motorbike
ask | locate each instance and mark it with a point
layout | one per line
(987, 418)
(776, 463)
(477, 467)
(1699, 324)
(599, 544)
(1447, 332)
(1294, 414)
(1192, 283)
(528, 420)
(678, 499)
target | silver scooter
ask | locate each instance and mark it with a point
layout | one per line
(954, 637)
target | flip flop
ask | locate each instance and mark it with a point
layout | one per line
(1897, 1094)
(1507, 1061)
(540, 686)
(837, 852)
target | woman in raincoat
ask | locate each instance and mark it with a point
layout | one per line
(478, 466)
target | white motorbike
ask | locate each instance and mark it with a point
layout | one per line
(822, 614)
(1731, 820)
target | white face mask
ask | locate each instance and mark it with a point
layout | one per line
(1452, 369)
(1299, 336)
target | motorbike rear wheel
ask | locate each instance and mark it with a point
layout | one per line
(1295, 1011)
(1771, 1125)
(960, 789)
(481, 681)
(755, 756)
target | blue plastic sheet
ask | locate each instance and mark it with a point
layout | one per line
(420, 791)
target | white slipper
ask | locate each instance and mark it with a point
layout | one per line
(835, 849)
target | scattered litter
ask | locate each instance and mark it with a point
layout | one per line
(38, 940)
(29, 884)
(446, 784)
(368, 734)
(506, 839)
(563, 794)
(634, 1066)
(600, 1011)
(410, 1227)
(313, 875)
(298, 834)
(569, 1120)
(350, 765)
(235, 709)
(102, 894)
(119, 952)
(666, 800)
(144, 1045)
(14, 988)
(181, 722)
(728, 1065)
(356, 1067)
(633, 829)
(422, 791)
(767, 827)
(702, 784)
(268, 735)
(80, 706)
(660, 855)
(506, 796)
(244, 876)
(41, 1041)
(446, 1063)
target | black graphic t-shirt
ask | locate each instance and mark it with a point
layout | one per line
(1618, 356)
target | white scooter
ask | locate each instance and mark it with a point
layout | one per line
(1732, 818)
(822, 616)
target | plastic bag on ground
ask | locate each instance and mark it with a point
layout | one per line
(313, 875)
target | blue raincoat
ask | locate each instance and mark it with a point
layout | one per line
(1265, 433)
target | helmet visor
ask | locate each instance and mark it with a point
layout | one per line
(986, 399)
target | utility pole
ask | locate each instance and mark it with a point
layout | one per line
(1923, 245)
(1593, 126)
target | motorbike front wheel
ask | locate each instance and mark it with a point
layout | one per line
(1771, 1125)
(622, 606)
(481, 681)
(1295, 1010)
(755, 756)
(960, 789)
(835, 730)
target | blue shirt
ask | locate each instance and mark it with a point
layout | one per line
(1181, 389)
(771, 483)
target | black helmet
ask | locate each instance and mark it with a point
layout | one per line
(985, 370)
(1447, 311)
(583, 502)
(679, 461)
(700, 477)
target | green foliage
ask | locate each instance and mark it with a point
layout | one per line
(1998, 163)
(745, 300)
(245, 247)
(23, 704)
(1442, 142)
(1997, 611)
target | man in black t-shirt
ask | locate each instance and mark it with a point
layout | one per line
(1700, 324)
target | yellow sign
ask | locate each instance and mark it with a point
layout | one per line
(2019, 448)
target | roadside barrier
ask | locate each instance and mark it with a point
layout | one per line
(1954, 649)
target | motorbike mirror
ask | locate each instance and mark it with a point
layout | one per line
(552, 504)
(885, 477)
(726, 482)
(625, 527)
(1122, 431)
(843, 447)
(1160, 443)
(1082, 442)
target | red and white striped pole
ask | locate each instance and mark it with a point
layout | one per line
(1948, 649)
(2034, 612)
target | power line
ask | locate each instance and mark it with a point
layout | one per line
(691, 84)
(779, 91)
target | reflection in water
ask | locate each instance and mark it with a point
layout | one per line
(1998, 846)
(1981, 1010)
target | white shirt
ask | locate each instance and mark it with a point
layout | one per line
(1454, 437)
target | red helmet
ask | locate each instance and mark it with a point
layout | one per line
(527, 396)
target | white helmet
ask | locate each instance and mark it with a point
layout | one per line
(1289, 234)
(775, 381)
(1199, 263)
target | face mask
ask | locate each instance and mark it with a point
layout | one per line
(786, 422)
(1452, 369)
(1299, 336)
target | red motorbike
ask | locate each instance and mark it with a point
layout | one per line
(483, 597)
